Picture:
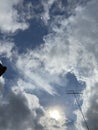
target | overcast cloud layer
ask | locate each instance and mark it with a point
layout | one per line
(70, 47)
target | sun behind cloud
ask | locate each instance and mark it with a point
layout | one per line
(54, 114)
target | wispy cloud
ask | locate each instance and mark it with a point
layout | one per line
(32, 70)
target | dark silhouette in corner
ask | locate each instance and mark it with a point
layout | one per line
(2, 69)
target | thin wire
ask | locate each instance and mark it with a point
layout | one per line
(81, 110)
(74, 93)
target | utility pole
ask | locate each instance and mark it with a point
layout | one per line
(77, 101)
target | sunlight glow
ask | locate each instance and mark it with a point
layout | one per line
(54, 114)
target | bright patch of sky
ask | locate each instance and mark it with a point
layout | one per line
(49, 48)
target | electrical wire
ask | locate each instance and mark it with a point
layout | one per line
(74, 93)
(81, 110)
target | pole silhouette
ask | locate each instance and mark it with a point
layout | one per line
(2, 69)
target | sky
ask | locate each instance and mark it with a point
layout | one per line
(49, 47)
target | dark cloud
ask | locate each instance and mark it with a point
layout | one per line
(15, 114)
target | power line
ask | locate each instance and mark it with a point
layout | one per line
(77, 101)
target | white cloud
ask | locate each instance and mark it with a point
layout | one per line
(52, 123)
(9, 21)
(33, 73)
(2, 83)
(6, 49)
(71, 47)
(46, 13)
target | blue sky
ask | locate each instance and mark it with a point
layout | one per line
(49, 48)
